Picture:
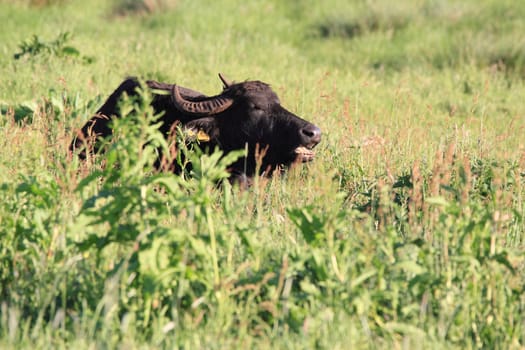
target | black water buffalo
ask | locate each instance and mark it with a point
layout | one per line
(245, 115)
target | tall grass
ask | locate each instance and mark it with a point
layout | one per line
(406, 231)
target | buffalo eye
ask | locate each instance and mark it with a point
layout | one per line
(256, 109)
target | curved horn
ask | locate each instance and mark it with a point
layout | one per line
(205, 107)
(227, 83)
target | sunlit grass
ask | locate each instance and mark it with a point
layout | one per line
(406, 231)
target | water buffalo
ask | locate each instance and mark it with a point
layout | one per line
(244, 115)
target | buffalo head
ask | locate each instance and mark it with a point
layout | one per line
(250, 113)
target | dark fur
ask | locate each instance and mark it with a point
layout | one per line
(256, 119)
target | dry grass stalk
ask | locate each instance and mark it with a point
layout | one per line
(442, 171)
(383, 205)
(167, 161)
(430, 217)
(436, 174)
(415, 204)
(448, 164)
(518, 180)
(465, 190)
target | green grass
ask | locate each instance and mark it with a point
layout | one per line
(406, 231)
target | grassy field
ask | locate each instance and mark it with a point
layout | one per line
(407, 231)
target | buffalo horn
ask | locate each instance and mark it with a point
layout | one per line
(205, 107)
(227, 83)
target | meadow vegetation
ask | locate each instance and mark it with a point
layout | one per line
(407, 231)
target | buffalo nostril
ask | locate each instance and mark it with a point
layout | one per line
(312, 133)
